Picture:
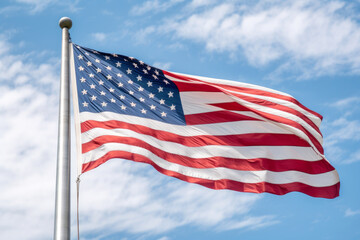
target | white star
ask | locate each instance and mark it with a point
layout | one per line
(171, 94)
(172, 107)
(84, 91)
(86, 53)
(85, 104)
(148, 68)
(145, 71)
(141, 89)
(162, 101)
(166, 82)
(102, 93)
(104, 104)
(109, 77)
(152, 107)
(89, 63)
(92, 86)
(93, 98)
(94, 51)
(131, 92)
(142, 99)
(135, 65)
(108, 68)
(122, 97)
(81, 68)
(112, 100)
(118, 64)
(163, 114)
(139, 78)
(111, 90)
(82, 79)
(91, 75)
(123, 107)
(141, 62)
(126, 60)
(160, 89)
(133, 104)
(156, 72)
(149, 84)
(98, 70)
(80, 57)
(107, 57)
(151, 95)
(97, 60)
(130, 82)
(143, 111)
(128, 71)
(115, 55)
(119, 75)
(101, 82)
(154, 76)
(120, 84)
(132, 58)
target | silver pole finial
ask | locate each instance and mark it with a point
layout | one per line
(65, 22)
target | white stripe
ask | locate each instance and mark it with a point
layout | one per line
(316, 180)
(207, 151)
(194, 103)
(228, 128)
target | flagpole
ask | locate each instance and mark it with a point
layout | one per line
(62, 202)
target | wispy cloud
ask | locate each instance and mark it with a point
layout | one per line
(350, 213)
(99, 36)
(251, 223)
(153, 6)
(312, 38)
(347, 102)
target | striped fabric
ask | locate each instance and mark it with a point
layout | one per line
(233, 135)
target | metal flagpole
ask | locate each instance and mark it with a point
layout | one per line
(62, 204)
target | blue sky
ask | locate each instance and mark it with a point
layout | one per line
(309, 49)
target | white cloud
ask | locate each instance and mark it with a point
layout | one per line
(28, 106)
(350, 213)
(313, 38)
(251, 223)
(153, 6)
(343, 131)
(162, 65)
(347, 102)
(100, 37)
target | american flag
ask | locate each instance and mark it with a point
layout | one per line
(216, 133)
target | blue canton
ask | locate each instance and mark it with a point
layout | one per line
(125, 85)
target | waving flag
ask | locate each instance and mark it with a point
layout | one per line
(216, 133)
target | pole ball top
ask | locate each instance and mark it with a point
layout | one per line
(65, 22)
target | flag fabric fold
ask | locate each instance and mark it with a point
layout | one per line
(217, 133)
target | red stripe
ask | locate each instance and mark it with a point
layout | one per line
(276, 118)
(248, 139)
(278, 189)
(245, 90)
(257, 164)
(216, 117)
